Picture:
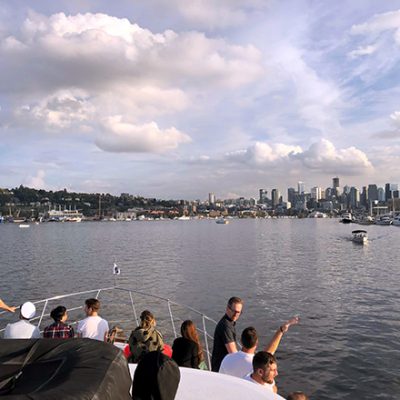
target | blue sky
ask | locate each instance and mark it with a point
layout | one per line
(176, 99)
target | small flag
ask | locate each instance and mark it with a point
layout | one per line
(116, 270)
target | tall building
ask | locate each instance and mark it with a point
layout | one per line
(316, 193)
(381, 194)
(335, 183)
(364, 197)
(372, 193)
(275, 197)
(291, 192)
(354, 197)
(300, 187)
(388, 192)
(263, 196)
(211, 198)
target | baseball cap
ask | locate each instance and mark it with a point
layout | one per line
(28, 310)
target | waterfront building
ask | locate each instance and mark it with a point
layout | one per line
(381, 195)
(335, 183)
(211, 198)
(300, 187)
(263, 199)
(372, 193)
(291, 195)
(316, 193)
(364, 197)
(354, 198)
(276, 198)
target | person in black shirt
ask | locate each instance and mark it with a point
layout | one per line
(225, 333)
(187, 350)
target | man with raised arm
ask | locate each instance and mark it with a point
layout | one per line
(93, 327)
(4, 306)
(225, 333)
(240, 364)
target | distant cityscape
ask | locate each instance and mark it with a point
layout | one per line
(23, 203)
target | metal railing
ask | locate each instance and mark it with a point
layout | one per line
(116, 305)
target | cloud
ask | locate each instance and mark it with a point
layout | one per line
(378, 23)
(363, 51)
(120, 136)
(263, 153)
(323, 156)
(395, 117)
(37, 181)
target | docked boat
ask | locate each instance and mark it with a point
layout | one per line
(222, 221)
(396, 220)
(383, 220)
(23, 226)
(359, 236)
(71, 362)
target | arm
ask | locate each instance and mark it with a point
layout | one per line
(276, 339)
(231, 347)
(4, 306)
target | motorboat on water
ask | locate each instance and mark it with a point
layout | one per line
(360, 236)
(396, 220)
(222, 221)
(119, 307)
(346, 218)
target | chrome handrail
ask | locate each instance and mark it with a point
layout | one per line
(98, 293)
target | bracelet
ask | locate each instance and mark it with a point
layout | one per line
(282, 331)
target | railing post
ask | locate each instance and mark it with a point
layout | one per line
(172, 319)
(134, 309)
(206, 341)
(41, 317)
(98, 293)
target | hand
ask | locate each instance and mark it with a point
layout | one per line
(12, 309)
(287, 324)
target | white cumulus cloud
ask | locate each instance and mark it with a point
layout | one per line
(120, 136)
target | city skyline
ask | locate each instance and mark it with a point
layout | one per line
(180, 99)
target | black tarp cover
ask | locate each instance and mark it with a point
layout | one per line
(79, 369)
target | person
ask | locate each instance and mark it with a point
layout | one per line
(240, 363)
(297, 396)
(156, 377)
(265, 369)
(187, 350)
(93, 326)
(59, 329)
(145, 338)
(23, 329)
(4, 306)
(225, 333)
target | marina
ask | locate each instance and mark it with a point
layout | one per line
(280, 267)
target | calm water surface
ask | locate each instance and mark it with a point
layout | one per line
(347, 295)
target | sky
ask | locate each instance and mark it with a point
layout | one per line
(174, 99)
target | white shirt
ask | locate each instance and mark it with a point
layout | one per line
(93, 328)
(268, 386)
(237, 364)
(22, 329)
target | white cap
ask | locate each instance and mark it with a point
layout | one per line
(28, 310)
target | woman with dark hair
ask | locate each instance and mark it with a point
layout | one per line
(145, 338)
(187, 350)
(59, 329)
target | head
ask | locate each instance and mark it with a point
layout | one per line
(297, 396)
(147, 320)
(189, 331)
(265, 368)
(59, 314)
(234, 308)
(156, 378)
(249, 338)
(27, 311)
(92, 306)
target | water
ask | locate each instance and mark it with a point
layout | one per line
(347, 295)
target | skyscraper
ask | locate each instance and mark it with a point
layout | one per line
(335, 182)
(275, 197)
(316, 193)
(211, 198)
(300, 187)
(263, 196)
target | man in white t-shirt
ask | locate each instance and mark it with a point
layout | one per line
(93, 327)
(23, 329)
(265, 369)
(240, 363)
